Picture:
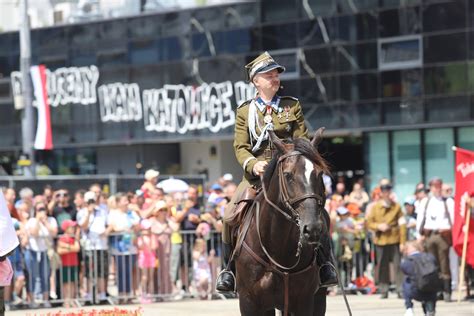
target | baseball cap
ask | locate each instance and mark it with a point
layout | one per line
(410, 200)
(228, 177)
(151, 173)
(90, 195)
(160, 205)
(353, 209)
(216, 186)
(68, 223)
(342, 210)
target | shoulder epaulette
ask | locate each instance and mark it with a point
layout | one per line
(244, 103)
(289, 97)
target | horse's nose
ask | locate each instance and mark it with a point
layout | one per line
(312, 231)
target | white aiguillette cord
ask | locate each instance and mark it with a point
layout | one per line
(253, 124)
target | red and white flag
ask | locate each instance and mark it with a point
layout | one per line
(44, 136)
(464, 188)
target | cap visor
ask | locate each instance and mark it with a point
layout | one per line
(270, 68)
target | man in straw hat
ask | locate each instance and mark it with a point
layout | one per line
(282, 114)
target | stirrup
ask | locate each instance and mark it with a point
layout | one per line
(233, 277)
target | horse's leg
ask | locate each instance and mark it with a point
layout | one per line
(319, 305)
(250, 308)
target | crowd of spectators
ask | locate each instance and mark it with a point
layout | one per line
(89, 247)
(153, 243)
(374, 233)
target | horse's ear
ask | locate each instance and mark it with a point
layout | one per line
(277, 142)
(318, 137)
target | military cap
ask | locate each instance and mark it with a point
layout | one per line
(261, 64)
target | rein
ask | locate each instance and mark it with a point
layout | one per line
(289, 204)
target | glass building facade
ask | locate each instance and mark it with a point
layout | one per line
(397, 74)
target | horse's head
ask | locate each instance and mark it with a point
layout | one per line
(299, 168)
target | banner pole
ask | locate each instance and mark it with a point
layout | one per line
(464, 249)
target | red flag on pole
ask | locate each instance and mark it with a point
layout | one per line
(464, 188)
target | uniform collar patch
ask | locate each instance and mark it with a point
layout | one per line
(273, 103)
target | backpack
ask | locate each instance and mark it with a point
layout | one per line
(426, 278)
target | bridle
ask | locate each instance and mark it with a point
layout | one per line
(289, 203)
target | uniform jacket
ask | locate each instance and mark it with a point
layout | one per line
(394, 217)
(285, 126)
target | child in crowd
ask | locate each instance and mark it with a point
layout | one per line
(410, 217)
(68, 248)
(411, 291)
(202, 268)
(346, 230)
(147, 259)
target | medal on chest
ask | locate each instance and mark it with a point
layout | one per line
(268, 115)
(287, 112)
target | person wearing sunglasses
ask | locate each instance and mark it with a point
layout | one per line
(61, 209)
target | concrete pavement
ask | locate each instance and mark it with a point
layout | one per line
(360, 304)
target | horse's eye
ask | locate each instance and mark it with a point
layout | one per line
(288, 176)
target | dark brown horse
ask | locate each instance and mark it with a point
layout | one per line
(276, 263)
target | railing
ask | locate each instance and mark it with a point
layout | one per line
(125, 271)
(111, 183)
(128, 269)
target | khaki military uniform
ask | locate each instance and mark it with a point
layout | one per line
(288, 122)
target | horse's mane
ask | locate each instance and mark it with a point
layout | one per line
(305, 147)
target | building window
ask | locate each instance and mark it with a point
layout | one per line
(444, 48)
(406, 162)
(368, 114)
(358, 87)
(279, 36)
(378, 157)
(439, 157)
(397, 3)
(444, 16)
(403, 112)
(465, 139)
(143, 52)
(447, 79)
(351, 6)
(355, 27)
(355, 57)
(400, 52)
(400, 21)
(289, 59)
(448, 109)
(401, 83)
(279, 10)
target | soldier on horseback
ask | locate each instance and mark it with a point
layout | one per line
(282, 114)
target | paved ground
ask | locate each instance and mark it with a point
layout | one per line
(361, 305)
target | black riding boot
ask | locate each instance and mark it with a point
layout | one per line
(226, 279)
(327, 264)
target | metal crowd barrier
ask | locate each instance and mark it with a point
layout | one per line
(111, 183)
(117, 274)
(114, 276)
